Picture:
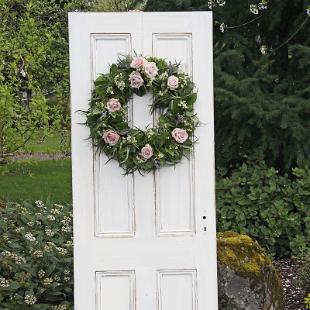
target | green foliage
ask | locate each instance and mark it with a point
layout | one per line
(34, 83)
(303, 274)
(30, 179)
(36, 259)
(262, 76)
(274, 209)
(118, 5)
(178, 103)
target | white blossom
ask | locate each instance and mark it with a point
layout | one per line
(60, 307)
(4, 282)
(66, 272)
(30, 224)
(39, 203)
(182, 104)
(41, 273)
(38, 253)
(30, 299)
(55, 211)
(62, 251)
(30, 237)
(49, 232)
(110, 90)
(66, 228)
(221, 2)
(222, 27)
(19, 229)
(262, 6)
(48, 281)
(69, 244)
(254, 9)
(51, 217)
(263, 49)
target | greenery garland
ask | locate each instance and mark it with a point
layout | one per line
(135, 149)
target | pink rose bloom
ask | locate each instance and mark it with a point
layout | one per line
(110, 137)
(179, 135)
(138, 62)
(147, 151)
(173, 82)
(113, 105)
(150, 69)
(135, 79)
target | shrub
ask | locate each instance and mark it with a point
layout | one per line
(36, 256)
(274, 209)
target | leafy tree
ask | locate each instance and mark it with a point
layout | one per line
(34, 68)
(34, 62)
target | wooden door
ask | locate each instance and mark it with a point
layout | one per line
(143, 242)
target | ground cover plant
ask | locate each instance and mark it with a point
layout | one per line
(36, 258)
(272, 208)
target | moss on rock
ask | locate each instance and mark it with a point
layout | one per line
(241, 253)
(247, 278)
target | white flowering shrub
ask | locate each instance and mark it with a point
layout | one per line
(36, 258)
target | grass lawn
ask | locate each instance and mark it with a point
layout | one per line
(33, 180)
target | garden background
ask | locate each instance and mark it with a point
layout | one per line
(262, 113)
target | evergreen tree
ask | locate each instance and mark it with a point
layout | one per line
(261, 80)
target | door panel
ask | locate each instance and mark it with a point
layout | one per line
(115, 288)
(177, 289)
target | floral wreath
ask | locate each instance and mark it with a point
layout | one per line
(135, 149)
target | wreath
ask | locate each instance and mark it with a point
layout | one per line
(174, 96)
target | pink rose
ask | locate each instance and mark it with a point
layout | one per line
(113, 105)
(110, 137)
(135, 79)
(172, 82)
(147, 151)
(150, 69)
(138, 62)
(179, 135)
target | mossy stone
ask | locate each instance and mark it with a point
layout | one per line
(247, 278)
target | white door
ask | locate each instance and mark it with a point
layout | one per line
(143, 242)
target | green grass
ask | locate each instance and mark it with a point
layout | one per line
(33, 180)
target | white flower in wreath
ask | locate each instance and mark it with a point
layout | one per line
(163, 76)
(182, 104)
(113, 105)
(150, 69)
(110, 90)
(135, 79)
(173, 82)
(147, 151)
(179, 135)
(118, 80)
